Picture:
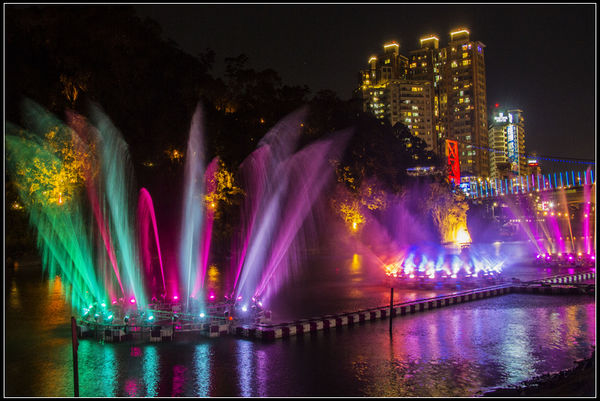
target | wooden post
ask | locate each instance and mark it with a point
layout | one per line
(391, 306)
(75, 346)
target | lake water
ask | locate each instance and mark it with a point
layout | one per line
(453, 351)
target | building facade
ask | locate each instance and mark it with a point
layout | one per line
(507, 144)
(453, 78)
(387, 93)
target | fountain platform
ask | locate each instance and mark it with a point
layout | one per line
(164, 331)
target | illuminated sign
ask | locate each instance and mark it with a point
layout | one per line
(513, 147)
(500, 118)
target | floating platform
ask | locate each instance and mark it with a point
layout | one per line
(555, 285)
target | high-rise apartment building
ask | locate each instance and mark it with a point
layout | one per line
(507, 144)
(457, 107)
(424, 65)
(388, 94)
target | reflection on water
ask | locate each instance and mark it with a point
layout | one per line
(516, 350)
(151, 370)
(13, 298)
(202, 368)
(453, 351)
(245, 369)
(178, 380)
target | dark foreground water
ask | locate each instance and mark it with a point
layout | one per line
(453, 351)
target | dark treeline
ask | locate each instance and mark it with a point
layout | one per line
(64, 57)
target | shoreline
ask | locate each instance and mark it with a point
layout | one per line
(579, 381)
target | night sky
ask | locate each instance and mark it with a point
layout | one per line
(539, 58)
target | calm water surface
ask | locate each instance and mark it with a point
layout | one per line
(453, 351)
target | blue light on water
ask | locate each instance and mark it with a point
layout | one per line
(244, 367)
(151, 369)
(202, 369)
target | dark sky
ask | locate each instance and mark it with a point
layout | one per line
(539, 58)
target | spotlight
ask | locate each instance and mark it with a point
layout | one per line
(103, 305)
(132, 300)
(110, 317)
(244, 308)
(150, 317)
(175, 297)
(202, 314)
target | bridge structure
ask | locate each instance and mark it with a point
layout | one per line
(493, 188)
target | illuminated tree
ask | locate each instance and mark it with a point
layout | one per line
(224, 189)
(449, 212)
(52, 170)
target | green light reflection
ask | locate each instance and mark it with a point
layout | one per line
(151, 370)
(202, 365)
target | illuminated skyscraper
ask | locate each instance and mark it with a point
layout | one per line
(452, 103)
(388, 94)
(507, 141)
(463, 102)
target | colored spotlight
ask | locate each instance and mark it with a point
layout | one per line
(202, 314)
(132, 301)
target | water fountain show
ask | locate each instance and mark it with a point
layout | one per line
(98, 232)
(108, 250)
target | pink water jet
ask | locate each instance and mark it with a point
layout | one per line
(146, 215)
